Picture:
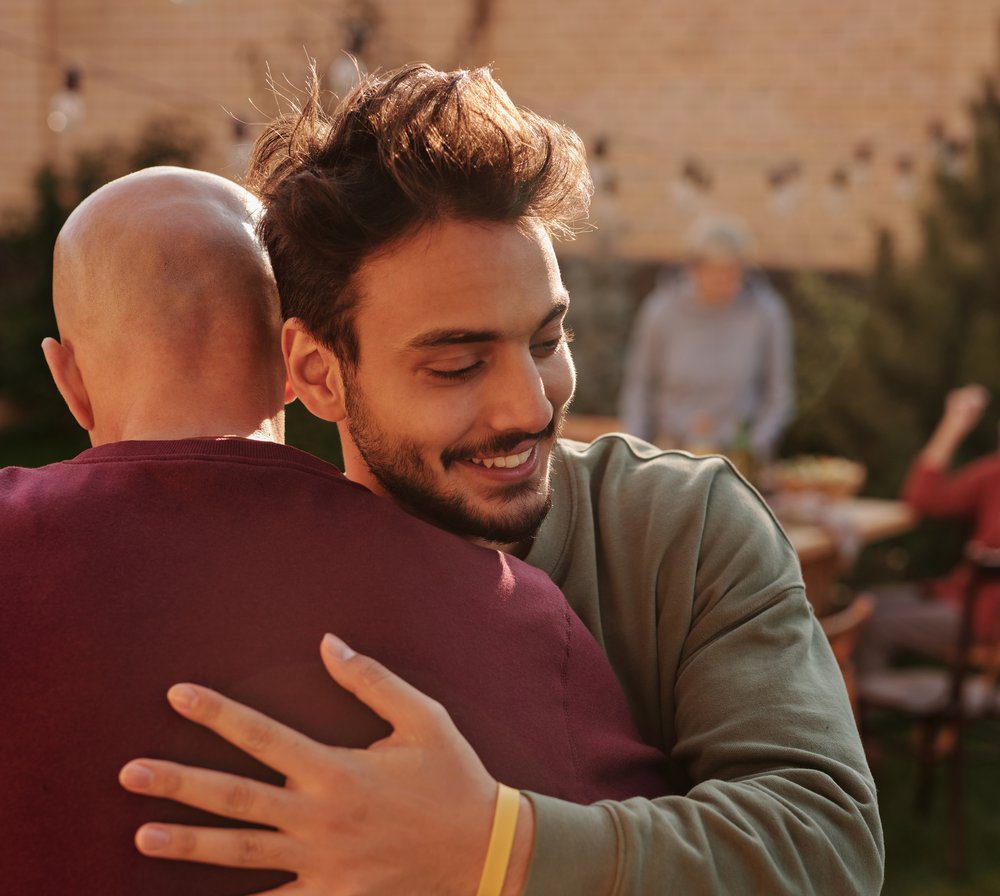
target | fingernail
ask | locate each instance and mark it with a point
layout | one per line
(151, 838)
(337, 648)
(183, 696)
(136, 775)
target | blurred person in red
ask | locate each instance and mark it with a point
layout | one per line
(709, 364)
(924, 617)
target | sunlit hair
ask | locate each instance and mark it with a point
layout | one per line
(400, 151)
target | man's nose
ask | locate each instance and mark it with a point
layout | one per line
(517, 400)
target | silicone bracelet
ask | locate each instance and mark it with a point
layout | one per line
(501, 841)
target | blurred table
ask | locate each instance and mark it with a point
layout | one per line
(587, 427)
(871, 518)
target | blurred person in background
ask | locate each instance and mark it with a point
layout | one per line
(709, 365)
(924, 617)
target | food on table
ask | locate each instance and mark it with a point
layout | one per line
(836, 477)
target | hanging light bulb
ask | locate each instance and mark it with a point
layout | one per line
(348, 67)
(239, 149)
(861, 163)
(837, 189)
(906, 179)
(689, 190)
(344, 74)
(785, 185)
(66, 108)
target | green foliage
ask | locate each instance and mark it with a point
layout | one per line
(915, 842)
(43, 430)
(900, 339)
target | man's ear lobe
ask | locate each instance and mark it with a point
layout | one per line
(69, 381)
(313, 372)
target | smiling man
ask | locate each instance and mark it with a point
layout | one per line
(453, 410)
(411, 238)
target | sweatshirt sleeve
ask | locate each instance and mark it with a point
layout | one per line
(935, 492)
(780, 798)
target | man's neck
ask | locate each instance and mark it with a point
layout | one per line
(269, 430)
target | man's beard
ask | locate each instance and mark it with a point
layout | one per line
(407, 479)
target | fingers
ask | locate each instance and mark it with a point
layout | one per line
(276, 745)
(222, 794)
(396, 701)
(240, 848)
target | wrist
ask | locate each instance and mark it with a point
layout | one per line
(520, 856)
(940, 449)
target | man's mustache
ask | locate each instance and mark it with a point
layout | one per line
(498, 445)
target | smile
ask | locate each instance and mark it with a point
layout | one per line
(508, 460)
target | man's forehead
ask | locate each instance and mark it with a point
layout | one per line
(461, 276)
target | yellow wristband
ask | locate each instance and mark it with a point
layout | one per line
(501, 841)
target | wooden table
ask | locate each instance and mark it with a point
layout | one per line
(587, 427)
(873, 519)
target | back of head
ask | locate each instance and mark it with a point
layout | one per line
(722, 238)
(401, 151)
(166, 300)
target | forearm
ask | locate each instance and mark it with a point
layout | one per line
(791, 832)
(940, 449)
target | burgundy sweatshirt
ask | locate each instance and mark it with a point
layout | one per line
(140, 564)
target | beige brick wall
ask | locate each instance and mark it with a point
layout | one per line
(741, 87)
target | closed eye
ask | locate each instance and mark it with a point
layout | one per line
(460, 374)
(550, 345)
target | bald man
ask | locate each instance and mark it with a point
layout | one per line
(168, 312)
(189, 544)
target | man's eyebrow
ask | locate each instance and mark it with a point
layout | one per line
(440, 338)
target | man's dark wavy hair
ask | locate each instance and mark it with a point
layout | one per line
(400, 151)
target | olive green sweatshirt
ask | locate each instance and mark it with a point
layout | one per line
(687, 581)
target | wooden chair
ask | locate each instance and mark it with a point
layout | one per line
(943, 700)
(842, 630)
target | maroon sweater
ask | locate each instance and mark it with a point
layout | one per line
(140, 564)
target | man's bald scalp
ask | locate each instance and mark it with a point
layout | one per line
(163, 257)
(165, 299)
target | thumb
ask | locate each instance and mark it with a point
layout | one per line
(404, 707)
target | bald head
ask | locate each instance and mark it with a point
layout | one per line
(167, 305)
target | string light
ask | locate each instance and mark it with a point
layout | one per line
(691, 187)
(66, 108)
(785, 184)
(906, 180)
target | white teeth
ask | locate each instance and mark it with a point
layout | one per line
(509, 460)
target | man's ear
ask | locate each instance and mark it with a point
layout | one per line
(69, 381)
(313, 372)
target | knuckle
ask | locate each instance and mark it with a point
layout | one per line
(249, 847)
(437, 715)
(170, 782)
(372, 674)
(240, 800)
(187, 842)
(257, 736)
